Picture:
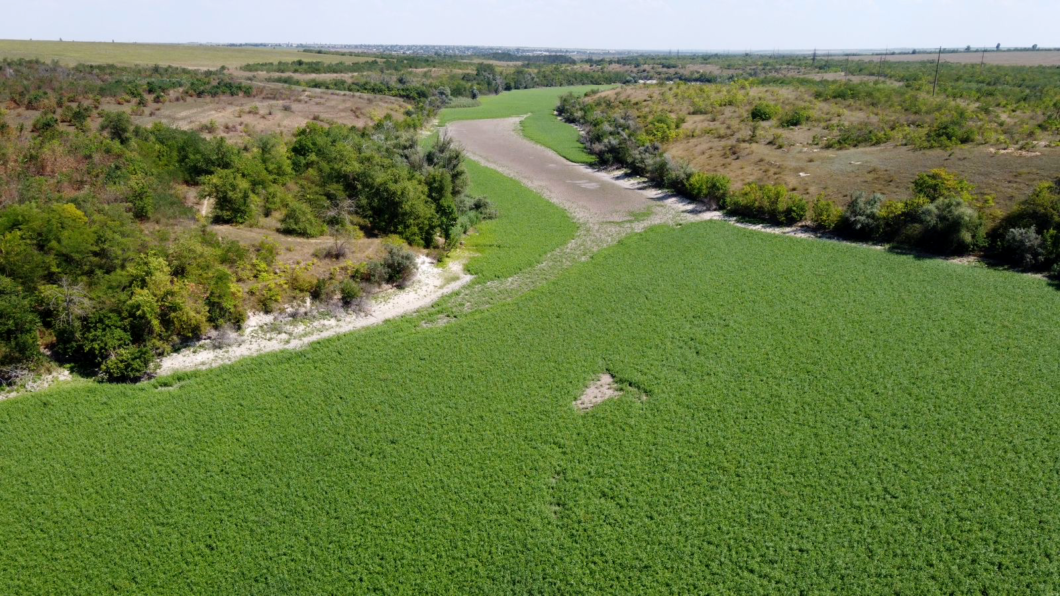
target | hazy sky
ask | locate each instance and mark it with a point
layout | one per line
(633, 24)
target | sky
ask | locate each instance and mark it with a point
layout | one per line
(611, 24)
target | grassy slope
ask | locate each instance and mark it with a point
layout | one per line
(820, 417)
(541, 126)
(528, 227)
(127, 54)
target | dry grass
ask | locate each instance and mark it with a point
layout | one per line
(721, 142)
(272, 108)
(294, 250)
(1042, 58)
(129, 54)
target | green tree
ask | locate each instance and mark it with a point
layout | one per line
(117, 126)
(19, 342)
(299, 220)
(233, 200)
(440, 192)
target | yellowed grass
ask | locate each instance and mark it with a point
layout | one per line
(126, 54)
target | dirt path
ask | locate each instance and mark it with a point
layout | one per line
(588, 194)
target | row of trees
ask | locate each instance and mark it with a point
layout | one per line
(944, 215)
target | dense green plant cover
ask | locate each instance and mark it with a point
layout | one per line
(799, 416)
(527, 226)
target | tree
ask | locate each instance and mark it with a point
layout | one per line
(19, 342)
(299, 220)
(117, 126)
(998, 48)
(233, 201)
(440, 192)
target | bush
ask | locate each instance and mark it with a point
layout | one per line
(795, 117)
(1037, 215)
(941, 183)
(825, 214)
(141, 199)
(950, 226)
(299, 220)
(861, 218)
(710, 188)
(400, 265)
(774, 203)
(224, 300)
(763, 112)
(1024, 248)
(128, 365)
(44, 123)
(350, 291)
(117, 126)
(896, 216)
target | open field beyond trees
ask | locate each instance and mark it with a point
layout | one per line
(131, 54)
(1006, 58)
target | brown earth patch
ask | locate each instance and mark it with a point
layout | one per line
(295, 250)
(273, 108)
(603, 389)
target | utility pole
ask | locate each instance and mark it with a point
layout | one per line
(938, 65)
(814, 57)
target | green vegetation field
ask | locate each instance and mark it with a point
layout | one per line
(802, 416)
(128, 54)
(541, 126)
(529, 227)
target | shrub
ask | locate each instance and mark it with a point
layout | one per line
(299, 220)
(764, 111)
(896, 216)
(771, 202)
(1023, 247)
(350, 291)
(941, 183)
(128, 365)
(224, 300)
(795, 117)
(44, 123)
(140, 198)
(857, 135)
(1037, 215)
(399, 265)
(825, 214)
(950, 226)
(710, 188)
(861, 218)
(117, 126)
